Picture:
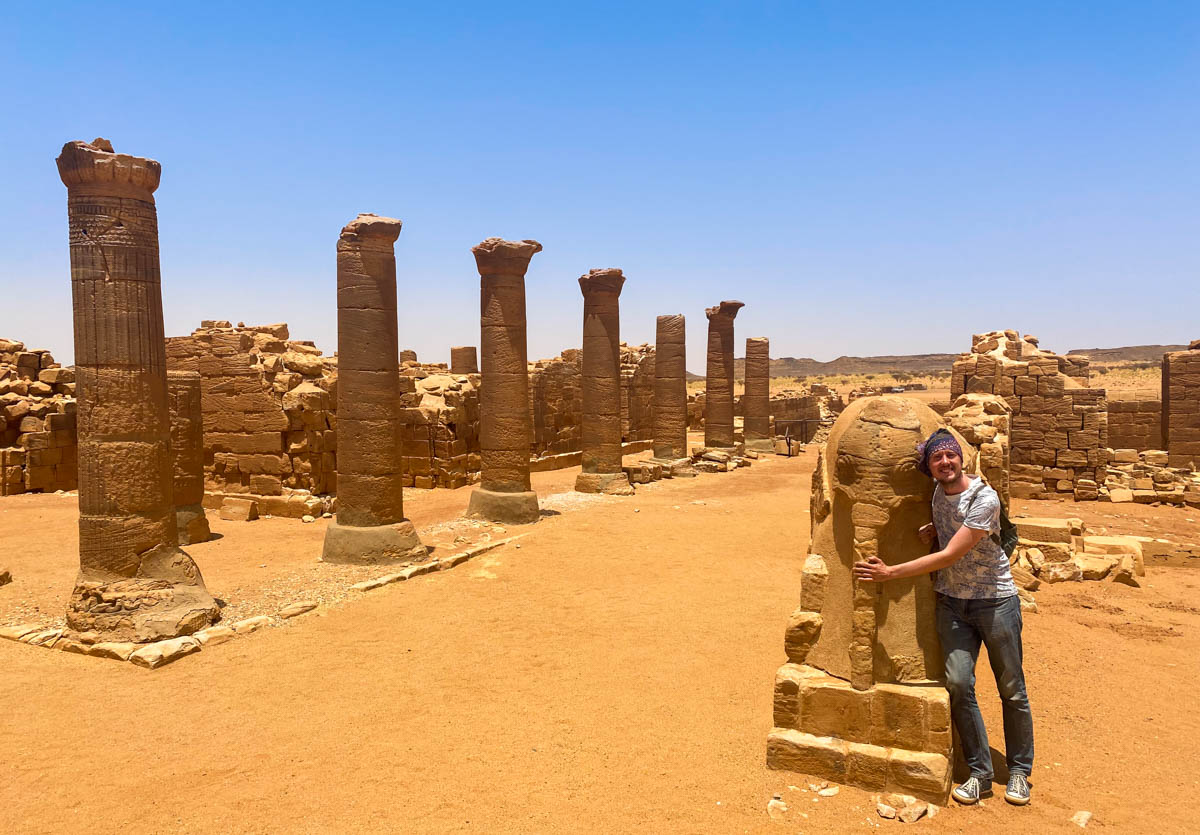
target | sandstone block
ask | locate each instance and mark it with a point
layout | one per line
(239, 510)
(159, 653)
(803, 631)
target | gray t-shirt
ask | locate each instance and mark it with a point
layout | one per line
(983, 572)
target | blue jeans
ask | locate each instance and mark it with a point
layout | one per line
(962, 626)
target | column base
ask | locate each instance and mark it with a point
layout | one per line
(760, 445)
(676, 467)
(169, 601)
(192, 524)
(891, 737)
(612, 484)
(377, 544)
(508, 508)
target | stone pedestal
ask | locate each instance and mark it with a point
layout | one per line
(756, 402)
(718, 387)
(370, 526)
(187, 455)
(463, 360)
(859, 700)
(670, 397)
(135, 584)
(601, 383)
(504, 494)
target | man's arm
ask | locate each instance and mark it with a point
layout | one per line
(875, 570)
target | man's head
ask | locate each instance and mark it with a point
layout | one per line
(940, 457)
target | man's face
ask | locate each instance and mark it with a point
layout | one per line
(945, 465)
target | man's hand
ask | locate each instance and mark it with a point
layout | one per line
(927, 533)
(872, 570)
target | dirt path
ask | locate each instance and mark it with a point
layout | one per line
(613, 674)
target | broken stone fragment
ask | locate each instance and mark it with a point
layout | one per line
(298, 608)
(5, 576)
(214, 635)
(803, 630)
(244, 627)
(159, 653)
(239, 510)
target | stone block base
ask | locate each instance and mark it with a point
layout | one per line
(372, 545)
(676, 467)
(507, 508)
(171, 601)
(613, 484)
(892, 737)
(760, 445)
(192, 524)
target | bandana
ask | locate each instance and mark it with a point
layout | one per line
(939, 440)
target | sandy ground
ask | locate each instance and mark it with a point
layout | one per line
(613, 674)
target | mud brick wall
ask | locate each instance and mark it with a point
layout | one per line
(1135, 424)
(1059, 438)
(38, 451)
(1181, 407)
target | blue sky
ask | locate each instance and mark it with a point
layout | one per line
(868, 177)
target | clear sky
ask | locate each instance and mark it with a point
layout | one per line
(868, 177)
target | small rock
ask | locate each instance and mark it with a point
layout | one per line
(899, 800)
(214, 635)
(298, 608)
(5, 576)
(885, 811)
(912, 813)
(776, 808)
(500, 531)
(307, 518)
(326, 515)
(109, 649)
(828, 791)
(244, 627)
(1081, 818)
(159, 653)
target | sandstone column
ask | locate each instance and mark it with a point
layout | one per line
(134, 584)
(187, 455)
(504, 493)
(718, 388)
(756, 402)
(463, 360)
(370, 525)
(601, 384)
(670, 395)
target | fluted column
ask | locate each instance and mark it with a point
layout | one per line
(187, 455)
(670, 395)
(135, 584)
(504, 493)
(718, 387)
(463, 360)
(756, 402)
(370, 525)
(601, 382)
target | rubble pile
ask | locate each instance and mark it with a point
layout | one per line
(38, 451)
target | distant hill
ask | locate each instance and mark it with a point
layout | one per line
(928, 363)
(1133, 353)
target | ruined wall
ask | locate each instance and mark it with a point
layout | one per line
(1135, 423)
(985, 420)
(38, 452)
(270, 417)
(1181, 406)
(557, 402)
(1059, 438)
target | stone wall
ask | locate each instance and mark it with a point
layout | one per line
(1181, 406)
(1135, 423)
(1059, 437)
(38, 452)
(557, 402)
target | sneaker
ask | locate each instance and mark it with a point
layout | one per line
(970, 791)
(1017, 792)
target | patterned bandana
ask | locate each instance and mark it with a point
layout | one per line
(939, 440)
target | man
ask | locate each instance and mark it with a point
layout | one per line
(976, 603)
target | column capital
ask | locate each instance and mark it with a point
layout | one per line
(608, 280)
(370, 228)
(95, 164)
(726, 309)
(496, 256)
